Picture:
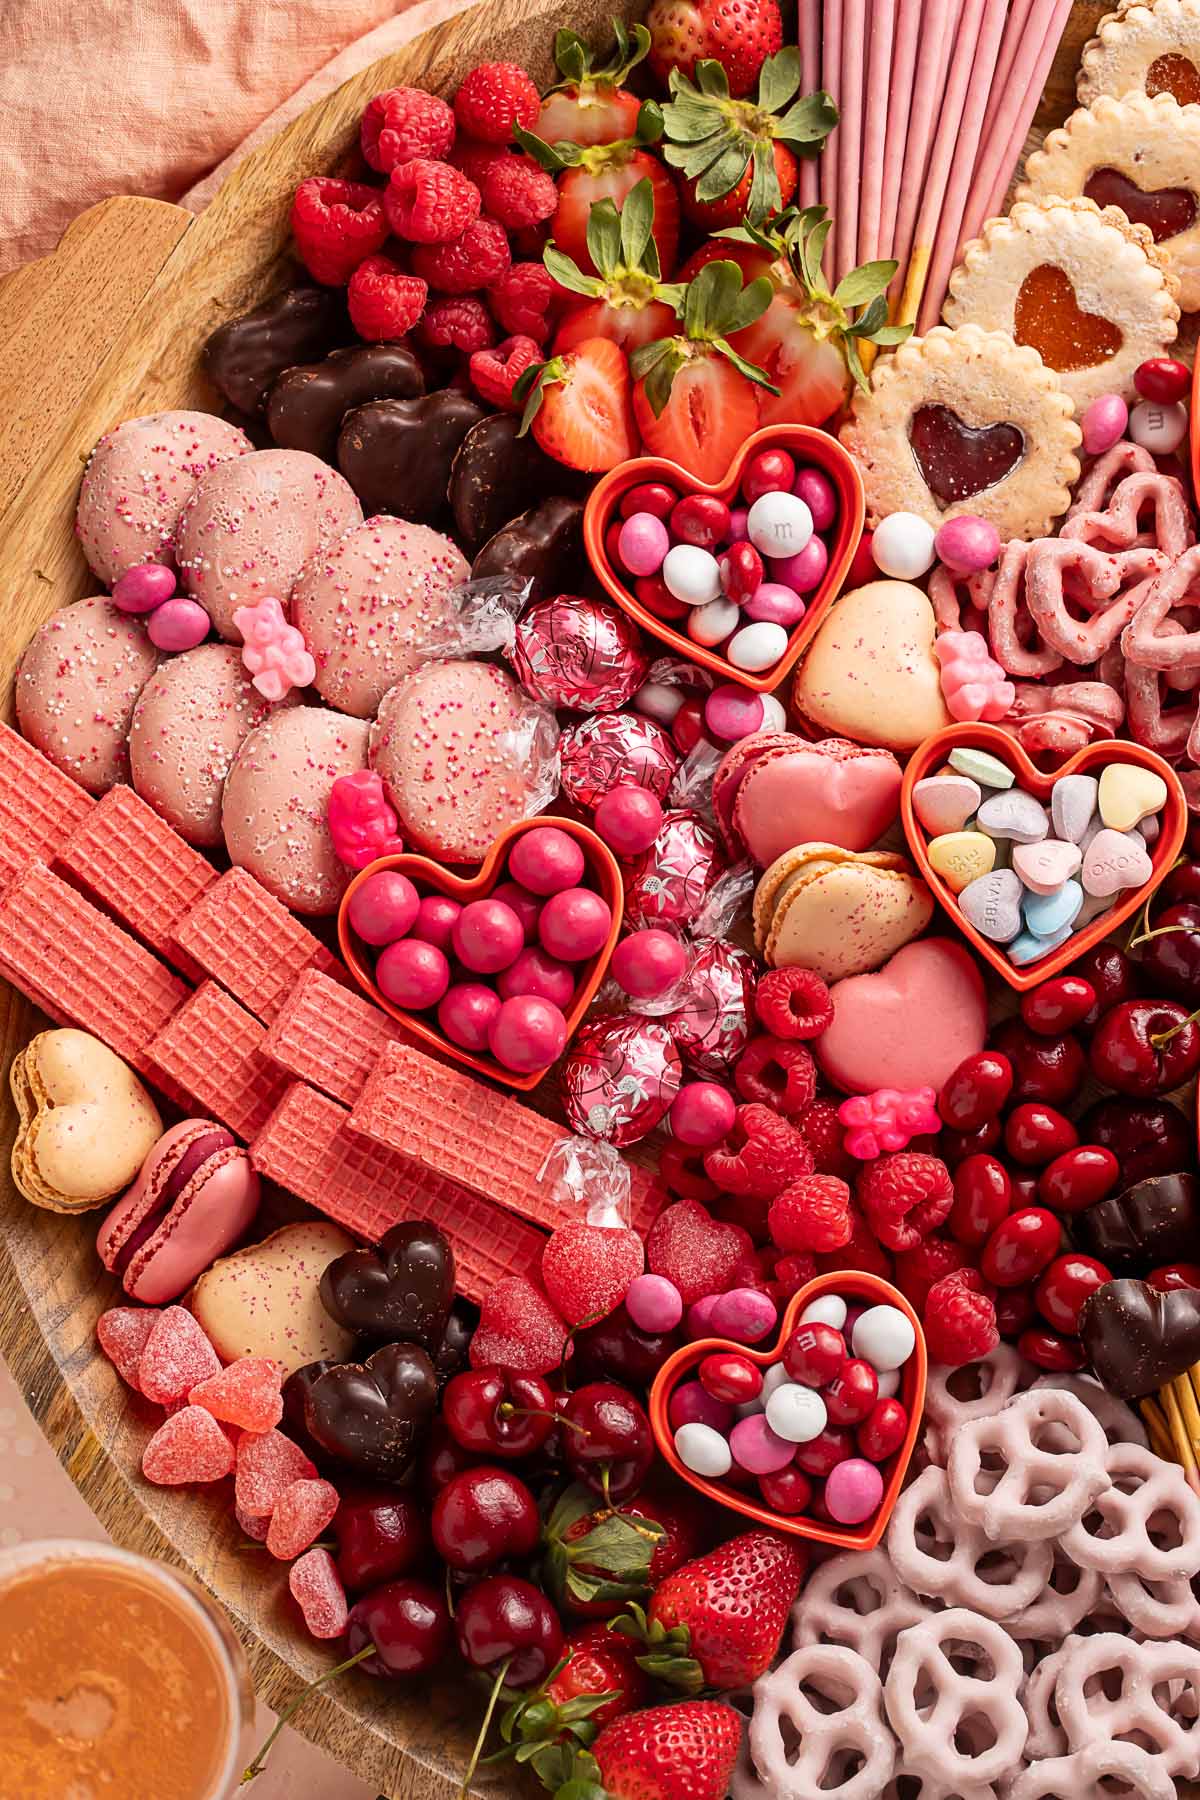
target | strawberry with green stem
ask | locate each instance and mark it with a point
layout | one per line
(590, 104)
(590, 173)
(578, 406)
(683, 1751)
(694, 398)
(627, 300)
(739, 34)
(596, 1682)
(738, 157)
(598, 1558)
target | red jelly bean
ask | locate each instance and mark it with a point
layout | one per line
(701, 519)
(882, 1431)
(982, 1197)
(1024, 1189)
(1064, 1287)
(976, 1091)
(1078, 1178)
(1163, 379)
(787, 1491)
(814, 1353)
(1016, 1310)
(823, 1453)
(1175, 1275)
(1058, 1005)
(852, 1392)
(1035, 1134)
(733, 1379)
(1020, 1247)
(955, 1146)
(1049, 1350)
(649, 496)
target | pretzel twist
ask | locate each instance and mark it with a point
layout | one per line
(1037, 1493)
(928, 1732)
(1089, 1709)
(848, 1718)
(858, 1600)
(1114, 1533)
(940, 1554)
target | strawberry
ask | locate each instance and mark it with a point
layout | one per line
(626, 301)
(717, 1622)
(740, 34)
(694, 401)
(589, 105)
(588, 173)
(597, 1681)
(737, 157)
(685, 1751)
(579, 406)
(594, 1566)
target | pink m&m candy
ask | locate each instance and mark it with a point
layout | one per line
(653, 1303)
(642, 543)
(1103, 423)
(702, 1114)
(487, 936)
(527, 1034)
(178, 625)
(574, 924)
(744, 1313)
(143, 587)
(968, 544)
(628, 818)
(648, 962)
(691, 1404)
(546, 860)
(412, 974)
(732, 712)
(384, 908)
(540, 975)
(466, 1012)
(853, 1490)
(774, 604)
(700, 1317)
(757, 1448)
(804, 571)
(819, 495)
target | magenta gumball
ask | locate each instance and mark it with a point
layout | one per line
(732, 712)
(143, 587)
(536, 973)
(691, 1404)
(527, 906)
(487, 936)
(642, 542)
(435, 920)
(413, 974)
(819, 495)
(177, 625)
(628, 819)
(384, 907)
(702, 1114)
(466, 1012)
(546, 860)
(772, 603)
(647, 963)
(574, 924)
(805, 570)
(527, 1034)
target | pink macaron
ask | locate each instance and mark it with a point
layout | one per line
(195, 1195)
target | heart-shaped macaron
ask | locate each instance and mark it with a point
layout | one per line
(402, 1289)
(265, 1300)
(774, 790)
(907, 1026)
(602, 873)
(1124, 856)
(855, 1286)
(371, 1415)
(807, 445)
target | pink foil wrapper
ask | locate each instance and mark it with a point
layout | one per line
(667, 884)
(570, 651)
(619, 1078)
(712, 1026)
(599, 752)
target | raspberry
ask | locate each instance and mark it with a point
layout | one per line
(384, 301)
(430, 202)
(267, 1463)
(188, 1446)
(794, 1272)
(812, 1214)
(496, 372)
(493, 98)
(402, 123)
(960, 1319)
(518, 1329)
(246, 1394)
(793, 1003)
(176, 1357)
(300, 1514)
(862, 1250)
(475, 259)
(917, 1270)
(122, 1333)
(461, 323)
(822, 1130)
(762, 1155)
(779, 1075)
(682, 1169)
(476, 159)
(336, 224)
(522, 300)
(517, 193)
(317, 1590)
(695, 1251)
(906, 1196)
(586, 1269)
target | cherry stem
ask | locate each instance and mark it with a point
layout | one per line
(508, 1411)
(464, 1792)
(1159, 1038)
(1161, 931)
(289, 1712)
(579, 1325)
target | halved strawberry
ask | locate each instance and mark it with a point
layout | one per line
(578, 405)
(590, 105)
(588, 174)
(626, 301)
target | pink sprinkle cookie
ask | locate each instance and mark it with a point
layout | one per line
(973, 685)
(77, 684)
(929, 1697)
(888, 1119)
(274, 651)
(361, 821)
(822, 1702)
(137, 481)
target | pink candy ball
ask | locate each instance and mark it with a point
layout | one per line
(384, 908)
(653, 1303)
(853, 1490)
(732, 712)
(487, 936)
(967, 544)
(804, 571)
(466, 1012)
(540, 975)
(412, 974)
(691, 1404)
(642, 543)
(647, 963)
(1103, 423)
(702, 1114)
(745, 1314)
(757, 1448)
(178, 625)
(772, 603)
(527, 906)
(699, 1318)
(527, 1034)
(144, 587)
(628, 818)
(575, 924)
(819, 495)
(546, 860)
(435, 920)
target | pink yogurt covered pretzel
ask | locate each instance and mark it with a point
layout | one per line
(1101, 586)
(940, 1554)
(1119, 524)
(1037, 1493)
(929, 1696)
(1070, 1595)
(1143, 640)
(831, 1702)
(1111, 1687)
(1146, 1522)
(1046, 1734)
(1105, 476)
(1158, 1609)
(1141, 1775)
(859, 1600)
(974, 1390)
(907, 1785)
(1119, 1423)
(960, 601)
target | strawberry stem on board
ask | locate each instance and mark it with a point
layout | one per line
(713, 138)
(714, 305)
(594, 157)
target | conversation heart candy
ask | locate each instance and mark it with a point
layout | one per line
(1047, 914)
(993, 905)
(1016, 815)
(1115, 860)
(1093, 906)
(1027, 948)
(981, 766)
(1149, 829)
(1072, 803)
(945, 802)
(1044, 867)
(1129, 794)
(961, 857)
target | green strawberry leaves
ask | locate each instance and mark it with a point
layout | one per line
(715, 304)
(564, 155)
(578, 67)
(714, 139)
(617, 1551)
(667, 1656)
(622, 247)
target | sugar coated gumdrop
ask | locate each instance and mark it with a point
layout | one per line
(300, 1515)
(384, 907)
(266, 1465)
(853, 1490)
(317, 1590)
(188, 1446)
(586, 1269)
(654, 1303)
(122, 1333)
(177, 1356)
(255, 1525)
(546, 860)
(518, 1329)
(647, 963)
(246, 1393)
(693, 1250)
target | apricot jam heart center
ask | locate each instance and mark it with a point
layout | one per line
(957, 459)
(1049, 317)
(1176, 75)
(1167, 211)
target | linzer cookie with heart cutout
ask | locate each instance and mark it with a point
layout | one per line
(1151, 47)
(988, 428)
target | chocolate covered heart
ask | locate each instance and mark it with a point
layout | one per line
(244, 358)
(1137, 1338)
(1164, 211)
(372, 1415)
(396, 454)
(493, 475)
(1156, 1221)
(308, 402)
(957, 460)
(541, 547)
(403, 1289)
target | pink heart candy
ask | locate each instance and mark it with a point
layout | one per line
(1044, 867)
(1115, 860)
(909, 1025)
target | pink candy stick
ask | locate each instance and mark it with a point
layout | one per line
(1029, 94)
(810, 81)
(1015, 25)
(939, 22)
(875, 125)
(941, 155)
(831, 81)
(854, 33)
(896, 105)
(1012, 99)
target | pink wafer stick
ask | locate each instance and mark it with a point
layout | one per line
(941, 155)
(810, 80)
(831, 81)
(1029, 98)
(939, 22)
(874, 129)
(1014, 29)
(854, 52)
(1028, 25)
(896, 105)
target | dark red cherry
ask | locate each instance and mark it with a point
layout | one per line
(482, 1516)
(1181, 883)
(1147, 1137)
(1171, 953)
(408, 1623)
(442, 1458)
(503, 1619)
(1145, 1047)
(607, 1441)
(615, 1350)
(380, 1533)
(497, 1412)
(1111, 973)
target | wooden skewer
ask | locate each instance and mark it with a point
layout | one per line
(1157, 1430)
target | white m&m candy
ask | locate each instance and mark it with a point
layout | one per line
(703, 1450)
(884, 1337)
(827, 1309)
(712, 623)
(796, 1413)
(1159, 429)
(691, 574)
(779, 524)
(903, 546)
(757, 647)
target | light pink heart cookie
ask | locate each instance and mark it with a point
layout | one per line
(832, 792)
(909, 1025)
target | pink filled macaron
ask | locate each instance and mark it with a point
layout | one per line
(194, 1197)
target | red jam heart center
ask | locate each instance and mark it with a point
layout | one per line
(1167, 211)
(1048, 316)
(958, 460)
(1174, 74)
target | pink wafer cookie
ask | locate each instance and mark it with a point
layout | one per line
(215, 1048)
(329, 1036)
(39, 806)
(59, 949)
(307, 1146)
(241, 936)
(139, 869)
(493, 1145)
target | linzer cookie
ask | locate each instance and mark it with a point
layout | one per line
(1085, 288)
(1151, 47)
(1141, 154)
(215, 1049)
(988, 428)
(241, 936)
(329, 1036)
(132, 861)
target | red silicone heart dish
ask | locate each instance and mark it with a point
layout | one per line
(808, 446)
(605, 878)
(931, 756)
(851, 1284)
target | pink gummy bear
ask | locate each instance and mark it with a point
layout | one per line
(274, 651)
(361, 822)
(974, 686)
(888, 1119)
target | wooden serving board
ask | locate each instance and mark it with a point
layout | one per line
(109, 326)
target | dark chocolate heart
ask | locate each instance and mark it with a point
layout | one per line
(451, 1356)
(1166, 211)
(396, 454)
(402, 1289)
(295, 1392)
(244, 358)
(541, 548)
(1155, 1221)
(1137, 1338)
(308, 403)
(957, 460)
(493, 475)
(371, 1416)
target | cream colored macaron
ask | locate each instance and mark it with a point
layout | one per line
(870, 673)
(265, 1300)
(87, 1123)
(826, 909)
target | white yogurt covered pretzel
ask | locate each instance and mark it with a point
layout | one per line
(831, 1701)
(1158, 1609)
(1078, 1777)
(975, 1390)
(1147, 1522)
(905, 1785)
(940, 1554)
(929, 1696)
(1029, 1492)
(1119, 1423)
(1069, 1596)
(859, 1600)
(1113, 1687)
(1046, 1734)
